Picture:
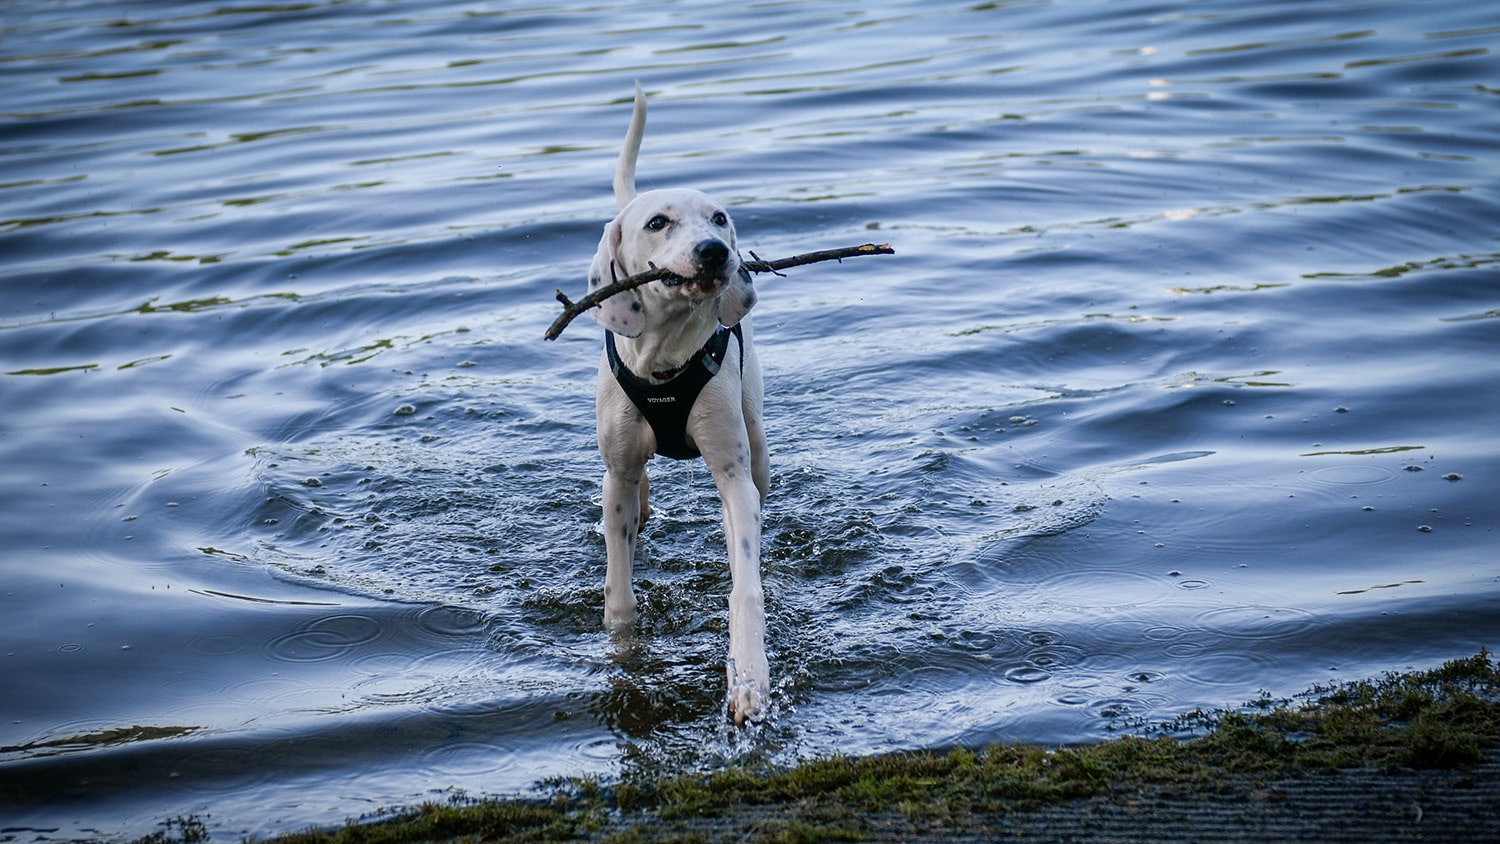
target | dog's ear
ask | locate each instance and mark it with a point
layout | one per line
(737, 299)
(621, 313)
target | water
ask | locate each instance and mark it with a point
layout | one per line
(1182, 386)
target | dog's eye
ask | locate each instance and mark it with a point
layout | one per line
(721, 219)
(658, 223)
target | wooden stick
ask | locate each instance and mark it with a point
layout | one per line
(572, 309)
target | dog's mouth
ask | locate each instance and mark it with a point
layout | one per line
(707, 283)
(712, 264)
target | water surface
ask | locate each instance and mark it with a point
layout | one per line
(1181, 388)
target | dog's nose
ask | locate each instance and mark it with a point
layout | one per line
(712, 255)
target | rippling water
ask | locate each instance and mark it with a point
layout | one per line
(1181, 387)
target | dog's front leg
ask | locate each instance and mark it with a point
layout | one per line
(625, 445)
(622, 522)
(748, 671)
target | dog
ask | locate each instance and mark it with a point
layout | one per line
(679, 377)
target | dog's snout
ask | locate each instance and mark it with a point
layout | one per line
(712, 255)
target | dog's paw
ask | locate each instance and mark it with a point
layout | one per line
(747, 704)
(619, 619)
(749, 691)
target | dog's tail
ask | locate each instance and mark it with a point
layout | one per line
(625, 170)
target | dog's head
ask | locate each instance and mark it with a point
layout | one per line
(684, 232)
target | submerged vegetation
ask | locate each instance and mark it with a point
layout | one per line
(1445, 718)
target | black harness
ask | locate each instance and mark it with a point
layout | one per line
(667, 405)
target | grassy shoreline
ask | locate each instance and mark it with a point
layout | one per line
(1402, 727)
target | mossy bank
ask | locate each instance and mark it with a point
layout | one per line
(1405, 757)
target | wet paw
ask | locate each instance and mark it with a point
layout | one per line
(619, 620)
(747, 704)
(749, 690)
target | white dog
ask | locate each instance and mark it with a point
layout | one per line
(679, 377)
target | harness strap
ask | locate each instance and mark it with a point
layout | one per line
(666, 405)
